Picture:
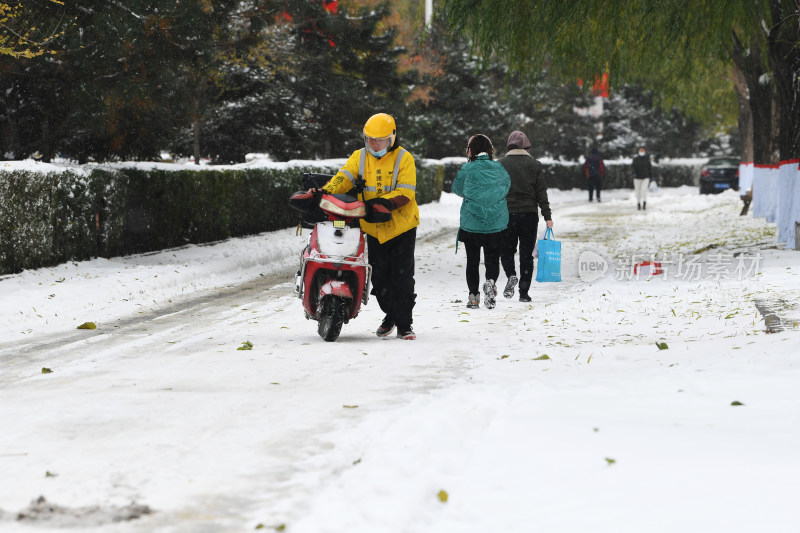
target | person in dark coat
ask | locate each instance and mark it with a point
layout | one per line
(642, 171)
(528, 194)
(594, 169)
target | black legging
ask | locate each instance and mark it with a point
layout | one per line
(473, 242)
(594, 185)
(522, 228)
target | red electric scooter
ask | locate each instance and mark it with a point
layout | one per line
(334, 276)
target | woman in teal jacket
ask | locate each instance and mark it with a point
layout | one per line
(483, 184)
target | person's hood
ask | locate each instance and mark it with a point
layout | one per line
(518, 139)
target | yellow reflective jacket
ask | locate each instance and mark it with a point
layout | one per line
(395, 174)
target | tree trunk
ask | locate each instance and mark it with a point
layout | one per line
(196, 142)
(784, 60)
(8, 146)
(745, 115)
(47, 145)
(761, 94)
(196, 131)
(775, 135)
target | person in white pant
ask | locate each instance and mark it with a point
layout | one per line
(642, 172)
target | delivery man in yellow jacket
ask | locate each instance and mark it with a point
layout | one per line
(390, 178)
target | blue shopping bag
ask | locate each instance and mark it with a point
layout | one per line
(549, 265)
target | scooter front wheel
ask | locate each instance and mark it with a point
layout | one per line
(330, 317)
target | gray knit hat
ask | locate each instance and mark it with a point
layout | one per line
(517, 139)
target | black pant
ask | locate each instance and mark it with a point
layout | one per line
(393, 276)
(594, 185)
(473, 242)
(522, 228)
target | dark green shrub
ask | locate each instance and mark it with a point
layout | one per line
(618, 175)
(26, 220)
(46, 219)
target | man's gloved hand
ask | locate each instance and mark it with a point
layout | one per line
(378, 210)
(317, 194)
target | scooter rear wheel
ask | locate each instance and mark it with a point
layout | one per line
(330, 317)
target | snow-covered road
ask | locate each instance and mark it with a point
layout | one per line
(561, 415)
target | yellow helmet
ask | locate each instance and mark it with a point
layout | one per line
(378, 128)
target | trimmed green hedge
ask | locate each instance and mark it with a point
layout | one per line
(618, 175)
(47, 219)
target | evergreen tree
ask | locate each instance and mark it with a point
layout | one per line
(465, 95)
(546, 110)
(632, 119)
(295, 79)
(346, 72)
(124, 78)
(248, 103)
(462, 99)
(307, 88)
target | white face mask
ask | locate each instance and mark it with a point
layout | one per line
(641, 152)
(379, 153)
(378, 146)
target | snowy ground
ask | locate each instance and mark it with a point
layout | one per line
(155, 421)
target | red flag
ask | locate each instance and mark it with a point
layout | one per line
(600, 86)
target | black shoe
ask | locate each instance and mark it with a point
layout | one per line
(644, 206)
(523, 297)
(406, 334)
(386, 328)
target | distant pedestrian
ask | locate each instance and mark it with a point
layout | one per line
(528, 194)
(642, 171)
(594, 169)
(483, 184)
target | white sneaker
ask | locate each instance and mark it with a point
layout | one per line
(489, 291)
(508, 292)
(474, 301)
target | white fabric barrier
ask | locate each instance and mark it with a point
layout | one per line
(787, 201)
(759, 191)
(765, 191)
(772, 209)
(745, 177)
(795, 210)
